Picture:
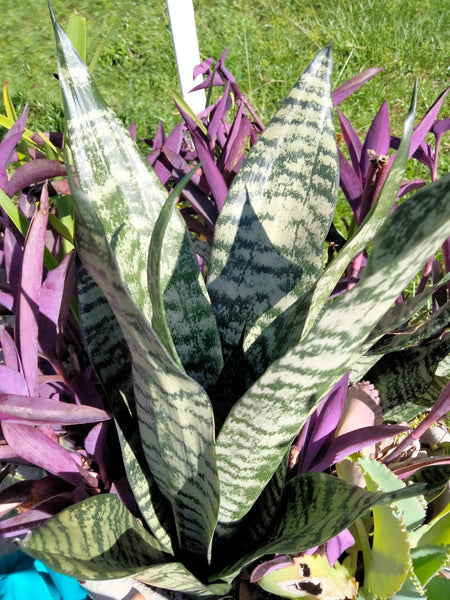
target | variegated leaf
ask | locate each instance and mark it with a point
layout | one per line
(128, 199)
(97, 538)
(263, 423)
(403, 377)
(314, 508)
(109, 355)
(268, 239)
(174, 413)
(175, 576)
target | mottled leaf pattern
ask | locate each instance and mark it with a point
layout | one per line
(174, 412)
(314, 508)
(273, 410)
(128, 198)
(111, 359)
(268, 239)
(95, 539)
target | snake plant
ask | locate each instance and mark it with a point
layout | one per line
(210, 376)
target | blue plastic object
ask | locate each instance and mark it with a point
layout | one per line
(23, 577)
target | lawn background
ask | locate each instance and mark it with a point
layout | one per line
(270, 43)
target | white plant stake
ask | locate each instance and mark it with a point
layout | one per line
(185, 43)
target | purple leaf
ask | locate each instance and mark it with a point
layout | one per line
(30, 410)
(440, 408)
(324, 421)
(353, 441)
(33, 172)
(377, 139)
(426, 123)
(8, 145)
(218, 114)
(12, 382)
(349, 182)
(339, 544)
(10, 354)
(350, 86)
(95, 446)
(37, 448)
(21, 524)
(353, 143)
(56, 293)
(408, 470)
(213, 175)
(409, 186)
(30, 288)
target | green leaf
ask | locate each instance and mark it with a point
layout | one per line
(378, 476)
(314, 508)
(97, 538)
(109, 355)
(269, 236)
(372, 223)
(128, 198)
(174, 413)
(76, 31)
(402, 378)
(175, 576)
(428, 560)
(262, 424)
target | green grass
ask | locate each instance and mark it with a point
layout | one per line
(270, 43)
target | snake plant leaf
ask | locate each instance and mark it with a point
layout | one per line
(262, 424)
(175, 576)
(402, 378)
(295, 322)
(371, 225)
(174, 413)
(268, 240)
(97, 538)
(128, 198)
(314, 508)
(109, 355)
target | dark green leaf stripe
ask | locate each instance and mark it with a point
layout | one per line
(368, 230)
(268, 239)
(403, 377)
(314, 508)
(128, 198)
(174, 413)
(262, 424)
(95, 539)
(110, 357)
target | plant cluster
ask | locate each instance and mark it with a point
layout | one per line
(254, 361)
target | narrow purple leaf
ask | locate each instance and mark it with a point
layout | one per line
(408, 470)
(325, 419)
(353, 143)
(213, 175)
(8, 145)
(377, 139)
(13, 255)
(132, 131)
(30, 288)
(10, 354)
(339, 544)
(410, 186)
(59, 284)
(12, 382)
(426, 123)
(348, 87)
(235, 149)
(33, 172)
(440, 408)
(6, 300)
(441, 127)
(30, 410)
(349, 182)
(219, 112)
(353, 441)
(35, 447)
(21, 524)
